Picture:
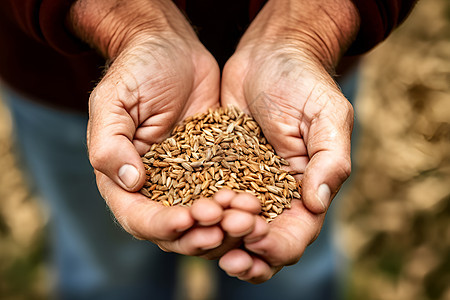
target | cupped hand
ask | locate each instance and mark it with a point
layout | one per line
(301, 112)
(210, 228)
(309, 122)
(160, 74)
(148, 89)
(143, 95)
(284, 83)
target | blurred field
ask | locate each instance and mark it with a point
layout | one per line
(22, 272)
(396, 211)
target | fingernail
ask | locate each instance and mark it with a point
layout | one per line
(129, 175)
(324, 195)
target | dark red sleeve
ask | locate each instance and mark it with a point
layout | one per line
(45, 20)
(378, 19)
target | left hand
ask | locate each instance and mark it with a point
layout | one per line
(285, 85)
(160, 74)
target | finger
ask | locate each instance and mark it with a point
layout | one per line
(110, 134)
(236, 262)
(259, 272)
(323, 178)
(237, 223)
(224, 197)
(246, 202)
(141, 217)
(260, 230)
(328, 146)
(228, 243)
(289, 235)
(206, 212)
(243, 201)
(196, 241)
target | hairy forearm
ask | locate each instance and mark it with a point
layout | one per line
(110, 26)
(325, 27)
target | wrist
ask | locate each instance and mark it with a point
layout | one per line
(112, 26)
(322, 29)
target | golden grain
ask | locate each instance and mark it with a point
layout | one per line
(223, 148)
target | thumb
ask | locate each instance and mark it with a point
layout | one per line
(323, 177)
(111, 151)
(330, 163)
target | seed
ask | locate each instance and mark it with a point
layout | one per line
(196, 164)
(146, 193)
(205, 184)
(273, 189)
(222, 148)
(254, 185)
(178, 160)
(187, 166)
(214, 188)
(230, 128)
(198, 189)
(225, 164)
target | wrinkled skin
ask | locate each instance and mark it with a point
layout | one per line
(309, 122)
(146, 91)
(279, 74)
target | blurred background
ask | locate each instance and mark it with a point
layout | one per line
(396, 212)
(394, 215)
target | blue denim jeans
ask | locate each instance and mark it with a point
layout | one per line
(94, 258)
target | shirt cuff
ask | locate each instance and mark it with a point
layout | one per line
(53, 26)
(374, 27)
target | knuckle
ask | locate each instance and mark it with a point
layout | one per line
(350, 113)
(289, 261)
(99, 157)
(350, 109)
(345, 167)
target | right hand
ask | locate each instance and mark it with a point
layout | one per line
(280, 75)
(160, 74)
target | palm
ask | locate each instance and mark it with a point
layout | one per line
(145, 92)
(160, 87)
(284, 98)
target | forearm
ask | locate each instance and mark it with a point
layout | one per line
(326, 28)
(111, 25)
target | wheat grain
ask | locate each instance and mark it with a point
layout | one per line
(223, 148)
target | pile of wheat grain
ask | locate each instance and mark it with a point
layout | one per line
(223, 148)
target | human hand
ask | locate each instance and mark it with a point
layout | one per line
(240, 221)
(280, 75)
(160, 74)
